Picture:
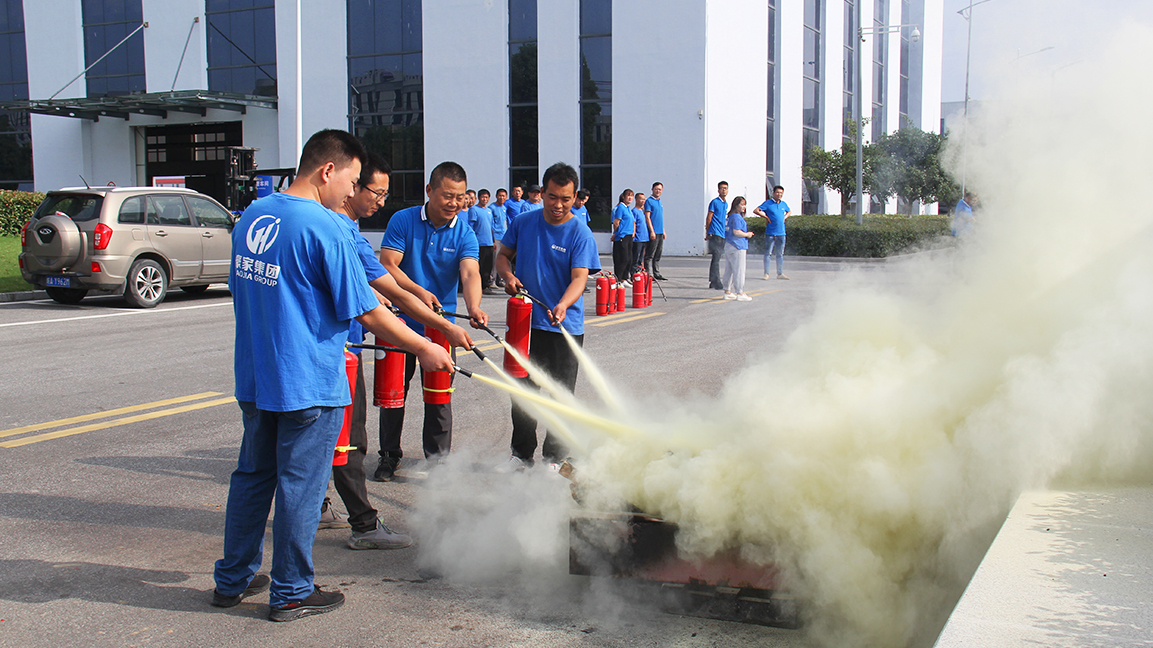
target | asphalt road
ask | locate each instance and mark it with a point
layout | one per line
(118, 434)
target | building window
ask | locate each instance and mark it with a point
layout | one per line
(15, 131)
(386, 94)
(771, 125)
(850, 67)
(811, 89)
(106, 23)
(596, 99)
(523, 136)
(880, 57)
(241, 46)
(905, 42)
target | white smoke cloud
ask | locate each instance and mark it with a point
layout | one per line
(904, 422)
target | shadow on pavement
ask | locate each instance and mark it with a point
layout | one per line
(198, 465)
(53, 508)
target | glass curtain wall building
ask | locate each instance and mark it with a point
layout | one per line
(596, 102)
(386, 94)
(771, 124)
(811, 121)
(241, 37)
(523, 111)
(15, 132)
(106, 23)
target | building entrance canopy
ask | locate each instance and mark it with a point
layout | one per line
(157, 104)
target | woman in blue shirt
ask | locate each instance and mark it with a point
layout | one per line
(640, 233)
(623, 237)
(737, 237)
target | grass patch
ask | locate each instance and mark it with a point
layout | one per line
(10, 279)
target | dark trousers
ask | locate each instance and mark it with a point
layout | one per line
(717, 250)
(623, 258)
(653, 254)
(552, 354)
(349, 478)
(437, 423)
(485, 266)
(639, 248)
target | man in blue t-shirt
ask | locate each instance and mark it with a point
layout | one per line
(775, 211)
(428, 249)
(715, 219)
(296, 284)
(578, 208)
(963, 214)
(514, 205)
(655, 213)
(368, 532)
(555, 255)
(499, 225)
(624, 225)
(641, 233)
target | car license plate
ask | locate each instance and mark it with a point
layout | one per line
(58, 282)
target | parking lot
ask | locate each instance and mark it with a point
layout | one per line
(118, 434)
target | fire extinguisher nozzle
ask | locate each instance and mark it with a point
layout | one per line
(467, 374)
(478, 354)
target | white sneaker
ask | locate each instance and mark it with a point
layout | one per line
(768, 276)
(781, 276)
(514, 464)
(381, 537)
(730, 295)
(627, 284)
(744, 297)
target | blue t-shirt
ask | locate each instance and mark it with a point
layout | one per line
(499, 220)
(373, 270)
(582, 212)
(625, 214)
(545, 257)
(775, 211)
(642, 228)
(656, 214)
(962, 218)
(296, 283)
(479, 219)
(736, 223)
(432, 255)
(514, 207)
(720, 210)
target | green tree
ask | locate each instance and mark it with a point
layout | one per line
(837, 169)
(909, 166)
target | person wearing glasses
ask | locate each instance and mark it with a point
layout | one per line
(428, 249)
(368, 532)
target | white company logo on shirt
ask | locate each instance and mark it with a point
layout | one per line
(559, 248)
(258, 238)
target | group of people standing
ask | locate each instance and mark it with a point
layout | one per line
(638, 234)
(728, 236)
(305, 282)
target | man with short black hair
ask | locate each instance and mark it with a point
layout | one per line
(515, 205)
(775, 211)
(655, 214)
(578, 207)
(715, 219)
(533, 199)
(480, 219)
(499, 225)
(428, 249)
(296, 285)
(555, 254)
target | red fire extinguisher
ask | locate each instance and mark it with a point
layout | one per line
(639, 290)
(620, 297)
(388, 378)
(518, 324)
(612, 294)
(602, 296)
(437, 384)
(340, 454)
(648, 289)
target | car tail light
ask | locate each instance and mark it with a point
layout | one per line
(95, 267)
(21, 263)
(103, 236)
(24, 235)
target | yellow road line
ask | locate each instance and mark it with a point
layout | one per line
(115, 422)
(722, 298)
(629, 319)
(105, 414)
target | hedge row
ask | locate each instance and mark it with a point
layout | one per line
(839, 236)
(16, 208)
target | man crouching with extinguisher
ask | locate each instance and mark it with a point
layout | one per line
(555, 253)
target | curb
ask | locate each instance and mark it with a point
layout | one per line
(22, 295)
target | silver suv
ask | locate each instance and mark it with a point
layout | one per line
(135, 241)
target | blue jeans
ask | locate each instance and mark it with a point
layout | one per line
(289, 455)
(775, 247)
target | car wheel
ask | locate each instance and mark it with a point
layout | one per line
(194, 290)
(147, 284)
(66, 295)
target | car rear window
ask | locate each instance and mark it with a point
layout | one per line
(78, 207)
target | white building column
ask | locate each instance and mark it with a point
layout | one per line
(289, 26)
(932, 38)
(558, 82)
(169, 24)
(832, 89)
(466, 89)
(791, 65)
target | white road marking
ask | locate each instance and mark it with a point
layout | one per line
(116, 314)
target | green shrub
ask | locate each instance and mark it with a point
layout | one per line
(16, 208)
(830, 235)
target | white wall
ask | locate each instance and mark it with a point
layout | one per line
(832, 89)
(932, 41)
(292, 137)
(169, 24)
(658, 91)
(558, 82)
(466, 89)
(324, 64)
(60, 152)
(791, 65)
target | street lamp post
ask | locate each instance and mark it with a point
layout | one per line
(861, 33)
(968, 50)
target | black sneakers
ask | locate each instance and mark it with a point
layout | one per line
(318, 602)
(258, 584)
(386, 469)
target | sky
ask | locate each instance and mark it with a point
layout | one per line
(1049, 36)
